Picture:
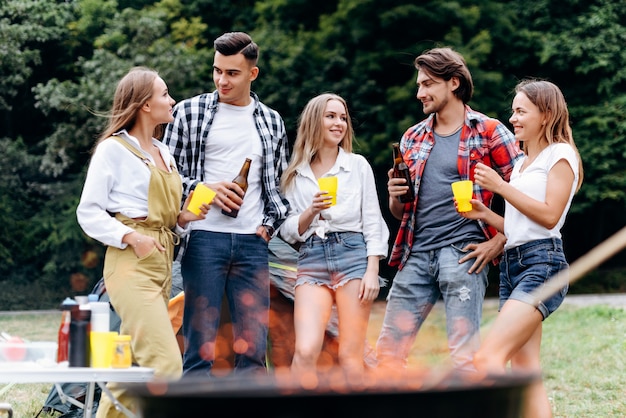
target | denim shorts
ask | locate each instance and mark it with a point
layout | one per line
(530, 266)
(332, 261)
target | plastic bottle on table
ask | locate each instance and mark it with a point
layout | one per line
(122, 357)
(63, 339)
(100, 316)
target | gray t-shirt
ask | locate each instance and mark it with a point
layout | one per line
(438, 224)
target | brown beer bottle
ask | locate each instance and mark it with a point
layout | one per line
(401, 170)
(242, 181)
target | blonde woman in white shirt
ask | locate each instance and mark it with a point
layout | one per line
(537, 200)
(340, 245)
(131, 203)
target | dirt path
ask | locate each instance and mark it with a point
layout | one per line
(611, 299)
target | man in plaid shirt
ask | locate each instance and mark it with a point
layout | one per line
(439, 253)
(211, 136)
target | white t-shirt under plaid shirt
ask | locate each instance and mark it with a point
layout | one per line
(188, 134)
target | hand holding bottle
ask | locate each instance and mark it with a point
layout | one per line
(401, 171)
(228, 195)
(239, 185)
(396, 186)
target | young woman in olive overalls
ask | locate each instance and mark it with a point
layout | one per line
(131, 203)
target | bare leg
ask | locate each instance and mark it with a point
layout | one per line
(513, 328)
(516, 336)
(353, 320)
(527, 359)
(312, 309)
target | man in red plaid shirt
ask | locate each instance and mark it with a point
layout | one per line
(439, 253)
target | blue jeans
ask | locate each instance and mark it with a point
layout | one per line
(215, 264)
(427, 276)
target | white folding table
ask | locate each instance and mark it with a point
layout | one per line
(33, 373)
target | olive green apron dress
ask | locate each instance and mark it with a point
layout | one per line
(139, 288)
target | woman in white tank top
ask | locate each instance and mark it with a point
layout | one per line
(537, 200)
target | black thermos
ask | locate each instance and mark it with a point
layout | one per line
(80, 328)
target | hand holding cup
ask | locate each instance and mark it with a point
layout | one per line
(196, 205)
(202, 195)
(462, 191)
(329, 185)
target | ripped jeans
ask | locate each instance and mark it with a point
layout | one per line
(427, 276)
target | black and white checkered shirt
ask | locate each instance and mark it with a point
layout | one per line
(186, 137)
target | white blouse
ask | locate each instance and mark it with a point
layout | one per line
(117, 181)
(357, 208)
(518, 228)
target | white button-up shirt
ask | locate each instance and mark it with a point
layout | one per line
(357, 208)
(117, 182)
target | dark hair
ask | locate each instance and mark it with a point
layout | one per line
(446, 63)
(233, 43)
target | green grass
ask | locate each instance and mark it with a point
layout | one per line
(583, 354)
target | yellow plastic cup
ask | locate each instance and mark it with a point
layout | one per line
(329, 185)
(201, 194)
(102, 345)
(462, 191)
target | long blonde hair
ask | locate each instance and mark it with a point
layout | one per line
(132, 92)
(310, 137)
(550, 101)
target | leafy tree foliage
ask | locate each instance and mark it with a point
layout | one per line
(364, 50)
(578, 45)
(222, 16)
(24, 27)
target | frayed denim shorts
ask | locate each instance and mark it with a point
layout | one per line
(525, 268)
(332, 261)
